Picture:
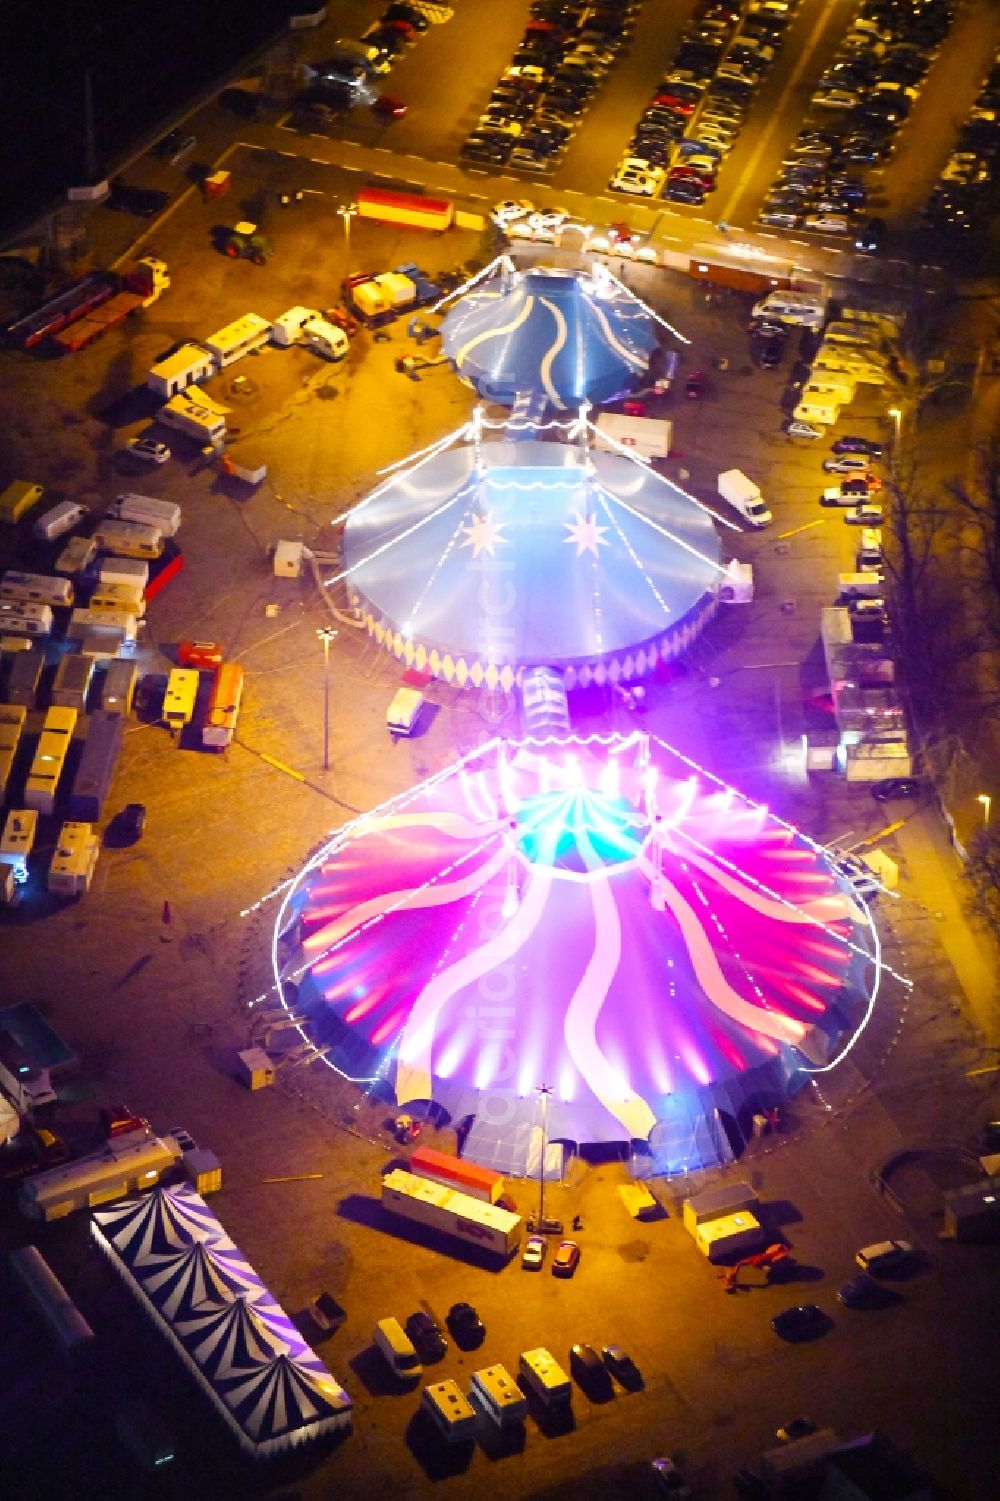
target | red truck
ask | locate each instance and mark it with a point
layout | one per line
(141, 285)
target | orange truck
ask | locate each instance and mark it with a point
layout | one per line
(392, 207)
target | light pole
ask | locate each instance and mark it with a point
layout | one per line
(897, 416)
(347, 212)
(544, 1090)
(986, 800)
(327, 635)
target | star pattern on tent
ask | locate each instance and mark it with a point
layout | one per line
(585, 532)
(483, 534)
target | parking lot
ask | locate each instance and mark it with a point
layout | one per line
(156, 998)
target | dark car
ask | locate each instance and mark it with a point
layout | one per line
(478, 150)
(145, 203)
(242, 102)
(850, 444)
(467, 1328)
(768, 353)
(864, 1292)
(870, 236)
(893, 787)
(684, 192)
(806, 1321)
(795, 1429)
(427, 1338)
(590, 1371)
(132, 821)
(175, 145)
(622, 1367)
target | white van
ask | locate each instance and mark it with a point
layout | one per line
(541, 1372)
(450, 1410)
(165, 514)
(325, 338)
(61, 519)
(804, 308)
(859, 586)
(395, 1344)
(499, 1396)
(870, 555)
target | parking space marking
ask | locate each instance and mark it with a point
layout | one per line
(812, 42)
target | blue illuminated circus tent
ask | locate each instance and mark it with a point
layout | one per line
(236, 1339)
(602, 916)
(483, 558)
(564, 336)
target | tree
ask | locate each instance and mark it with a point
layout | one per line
(982, 879)
(977, 505)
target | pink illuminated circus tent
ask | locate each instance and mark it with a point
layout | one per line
(601, 916)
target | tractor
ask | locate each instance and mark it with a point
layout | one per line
(245, 242)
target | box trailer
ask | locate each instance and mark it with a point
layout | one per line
(183, 368)
(72, 681)
(23, 678)
(49, 1296)
(189, 414)
(727, 1198)
(134, 1163)
(118, 687)
(98, 763)
(729, 1235)
(455, 1172)
(12, 717)
(787, 1470)
(648, 436)
(74, 859)
(456, 1214)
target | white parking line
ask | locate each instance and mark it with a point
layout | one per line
(826, 14)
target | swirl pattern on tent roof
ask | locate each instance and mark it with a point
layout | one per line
(287, 1398)
(200, 1278)
(161, 1223)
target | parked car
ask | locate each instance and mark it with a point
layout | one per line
(590, 1371)
(622, 1366)
(869, 237)
(668, 1479)
(847, 464)
(389, 107)
(868, 513)
(427, 1338)
(243, 102)
(850, 444)
(131, 821)
(863, 1292)
(148, 451)
(695, 386)
(898, 787)
(799, 429)
(885, 1257)
(174, 146)
(467, 1328)
(533, 1255)
(145, 203)
(566, 1260)
(806, 1321)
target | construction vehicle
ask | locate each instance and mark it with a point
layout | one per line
(246, 243)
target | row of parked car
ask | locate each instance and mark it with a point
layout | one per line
(862, 99)
(696, 112)
(561, 61)
(967, 186)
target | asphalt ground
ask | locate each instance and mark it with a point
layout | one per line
(157, 1009)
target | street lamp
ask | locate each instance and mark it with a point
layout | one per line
(347, 212)
(985, 799)
(897, 416)
(544, 1090)
(327, 635)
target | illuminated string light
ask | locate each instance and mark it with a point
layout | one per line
(613, 499)
(606, 271)
(502, 261)
(394, 541)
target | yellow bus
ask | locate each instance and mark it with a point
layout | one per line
(224, 706)
(50, 758)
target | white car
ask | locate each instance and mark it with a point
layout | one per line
(548, 220)
(848, 463)
(635, 175)
(148, 451)
(863, 879)
(884, 1256)
(835, 99)
(803, 430)
(508, 210)
(868, 513)
(533, 1254)
(827, 224)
